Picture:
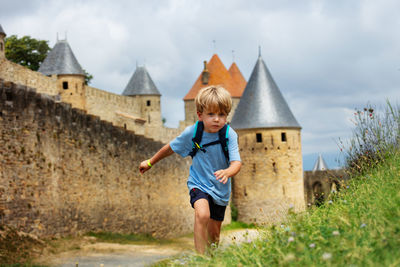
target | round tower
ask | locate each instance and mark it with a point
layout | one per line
(142, 87)
(2, 43)
(270, 182)
(62, 62)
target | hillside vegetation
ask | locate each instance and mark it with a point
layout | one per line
(357, 226)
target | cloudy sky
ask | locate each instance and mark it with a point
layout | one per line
(327, 57)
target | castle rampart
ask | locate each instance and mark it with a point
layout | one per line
(63, 172)
(18, 74)
(120, 110)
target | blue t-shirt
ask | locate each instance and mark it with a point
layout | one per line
(204, 164)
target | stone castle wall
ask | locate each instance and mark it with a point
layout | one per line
(128, 112)
(63, 172)
(10, 71)
(319, 185)
(271, 179)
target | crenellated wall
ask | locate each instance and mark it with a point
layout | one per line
(63, 171)
(131, 113)
(10, 71)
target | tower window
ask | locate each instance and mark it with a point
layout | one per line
(259, 137)
(65, 85)
(1, 46)
(283, 136)
(148, 103)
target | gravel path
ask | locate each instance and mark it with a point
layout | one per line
(109, 254)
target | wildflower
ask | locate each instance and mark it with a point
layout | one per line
(344, 201)
(291, 239)
(330, 201)
(287, 229)
(363, 225)
(293, 234)
(312, 245)
(291, 206)
(282, 226)
(335, 233)
(326, 256)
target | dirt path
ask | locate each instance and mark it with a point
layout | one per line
(92, 253)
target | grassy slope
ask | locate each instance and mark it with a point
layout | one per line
(359, 227)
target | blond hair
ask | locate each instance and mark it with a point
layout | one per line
(213, 98)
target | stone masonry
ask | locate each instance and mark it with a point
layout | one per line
(65, 172)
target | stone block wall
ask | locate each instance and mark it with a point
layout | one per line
(10, 71)
(319, 185)
(271, 179)
(65, 172)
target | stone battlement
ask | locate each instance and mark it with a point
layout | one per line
(64, 171)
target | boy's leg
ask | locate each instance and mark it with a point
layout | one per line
(217, 215)
(201, 221)
(214, 230)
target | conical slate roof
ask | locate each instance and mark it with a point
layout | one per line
(262, 104)
(239, 81)
(320, 164)
(141, 84)
(219, 75)
(2, 31)
(61, 60)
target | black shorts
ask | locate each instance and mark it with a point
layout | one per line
(217, 212)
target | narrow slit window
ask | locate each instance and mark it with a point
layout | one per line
(284, 139)
(259, 137)
(65, 85)
(148, 103)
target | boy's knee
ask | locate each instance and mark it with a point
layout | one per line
(202, 216)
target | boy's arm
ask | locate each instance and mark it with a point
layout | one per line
(164, 152)
(232, 170)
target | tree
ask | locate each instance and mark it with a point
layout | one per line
(26, 51)
(30, 52)
(88, 77)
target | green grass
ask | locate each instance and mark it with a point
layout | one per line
(234, 225)
(359, 226)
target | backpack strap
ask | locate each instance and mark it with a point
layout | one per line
(223, 136)
(224, 140)
(196, 140)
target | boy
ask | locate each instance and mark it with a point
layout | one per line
(209, 177)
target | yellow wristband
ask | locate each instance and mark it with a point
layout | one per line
(149, 164)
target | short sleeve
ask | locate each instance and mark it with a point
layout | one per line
(233, 146)
(182, 145)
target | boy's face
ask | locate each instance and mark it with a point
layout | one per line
(213, 120)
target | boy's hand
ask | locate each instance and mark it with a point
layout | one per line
(222, 176)
(143, 167)
(231, 171)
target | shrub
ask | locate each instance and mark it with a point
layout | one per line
(376, 136)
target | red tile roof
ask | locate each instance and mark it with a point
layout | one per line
(219, 75)
(238, 80)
